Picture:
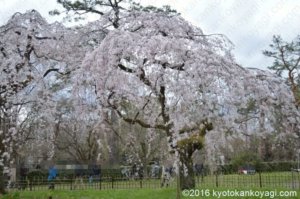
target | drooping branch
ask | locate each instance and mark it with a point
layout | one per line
(188, 130)
(145, 105)
(129, 120)
(179, 67)
(126, 69)
(162, 102)
(141, 75)
(55, 70)
(3, 52)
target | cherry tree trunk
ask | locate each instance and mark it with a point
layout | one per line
(186, 172)
(2, 186)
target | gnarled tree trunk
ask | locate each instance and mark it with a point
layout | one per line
(186, 147)
(186, 172)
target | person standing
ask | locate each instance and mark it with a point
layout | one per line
(51, 177)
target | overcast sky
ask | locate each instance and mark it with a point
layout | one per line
(250, 25)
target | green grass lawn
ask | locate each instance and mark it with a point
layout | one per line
(127, 194)
(149, 189)
(285, 180)
(95, 194)
(264, 180)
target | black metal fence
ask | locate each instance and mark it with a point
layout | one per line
(287, 179)
(82, 183)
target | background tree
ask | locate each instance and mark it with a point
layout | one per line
(111, 10)
(77, 136)
(17, 54)
(286, 62)
(36, 61)
(286, 56)
(267, 114)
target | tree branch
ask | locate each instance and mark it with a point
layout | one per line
(133, 121)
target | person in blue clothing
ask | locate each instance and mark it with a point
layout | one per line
(51, 177)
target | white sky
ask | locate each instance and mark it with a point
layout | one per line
(250, 25)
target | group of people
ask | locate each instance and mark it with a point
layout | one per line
(134, 172)
(79, 175)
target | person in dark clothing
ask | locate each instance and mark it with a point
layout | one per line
(23, 174)
(51, 177)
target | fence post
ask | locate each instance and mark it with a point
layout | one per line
(178, 181)
(217, 182)
(293, 182)
(141, 183)
(100, 183)
(298, 183)
(260, 182)
(30, 184)
(71, 180)
(112, 182)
